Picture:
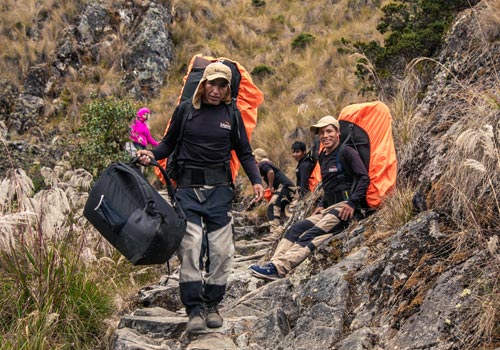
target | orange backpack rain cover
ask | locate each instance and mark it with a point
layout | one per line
(315, 177)
(248, 100)
(375, 119)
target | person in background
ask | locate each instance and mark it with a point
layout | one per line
(279, 185)
(345, 182)
(205, 190)
(305, 166)
(139, 130)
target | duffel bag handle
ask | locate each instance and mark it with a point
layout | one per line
(170, 185)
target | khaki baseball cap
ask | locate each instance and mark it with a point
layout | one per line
(325, 121)
(259, 154)
(217, 70)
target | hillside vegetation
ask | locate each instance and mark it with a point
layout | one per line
(52, 297)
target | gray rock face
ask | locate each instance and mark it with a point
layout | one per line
(151, 52)
(468, 62)
(80, 52)
(93, 24)
(26, 112)
(8, 94)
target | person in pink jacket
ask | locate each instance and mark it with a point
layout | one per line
(139, 130)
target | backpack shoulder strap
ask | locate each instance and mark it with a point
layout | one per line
(236, 121)
(185, 112)
(321, 156)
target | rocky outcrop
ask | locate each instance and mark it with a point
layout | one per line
(465, 84)
(398, 294)
(142, 28)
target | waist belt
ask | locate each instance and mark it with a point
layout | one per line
(337, 197)
(197, 176)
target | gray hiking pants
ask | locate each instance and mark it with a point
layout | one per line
(207, 206)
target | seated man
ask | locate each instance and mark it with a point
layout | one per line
(341, 167)
(279, 185)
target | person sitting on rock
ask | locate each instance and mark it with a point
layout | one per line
(341, 167)
(279, 185)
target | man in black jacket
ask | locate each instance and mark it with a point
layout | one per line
(305, 166)
(341, 167)
(205, 190)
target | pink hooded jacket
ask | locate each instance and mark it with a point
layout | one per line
(139, 130)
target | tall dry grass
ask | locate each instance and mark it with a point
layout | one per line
(29, 33)
(60, 282)
(465, 190)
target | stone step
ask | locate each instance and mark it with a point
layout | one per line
(175, 326)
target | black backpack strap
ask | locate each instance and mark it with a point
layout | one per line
(236, 121)
(346, 165)
(184, 116)
(321, 156)
(235, 78)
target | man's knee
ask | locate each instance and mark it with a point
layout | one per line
(297, 229)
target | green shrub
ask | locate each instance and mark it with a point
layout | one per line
(302, 40)
(258, 3)
(102, 136)
(415, 28)
(262, 70)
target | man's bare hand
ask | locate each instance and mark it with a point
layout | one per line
(258, 191)
(145, 156)
(318, 210)
(346, 212)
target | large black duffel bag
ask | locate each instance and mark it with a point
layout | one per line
(133, 216)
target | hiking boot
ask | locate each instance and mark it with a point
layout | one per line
(213, 319)
(267, 271)
(195, 324)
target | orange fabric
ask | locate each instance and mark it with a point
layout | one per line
(248, 100)
(268, 194)
(375, 118)
(315, 177)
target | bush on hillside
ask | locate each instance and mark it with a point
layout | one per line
(258, 3)
(262, 70)
(415, 28)
(302, 40)
(103, 134)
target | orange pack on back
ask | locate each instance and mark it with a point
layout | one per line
(315, 177)
(367, 127)
(247, 95)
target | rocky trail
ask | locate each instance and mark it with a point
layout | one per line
(361, 290)
(161, 323)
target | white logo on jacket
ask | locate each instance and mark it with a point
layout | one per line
(225, 125)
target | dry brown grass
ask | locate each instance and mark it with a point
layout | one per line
(29, 32)
(256, 36)
(396, 211)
